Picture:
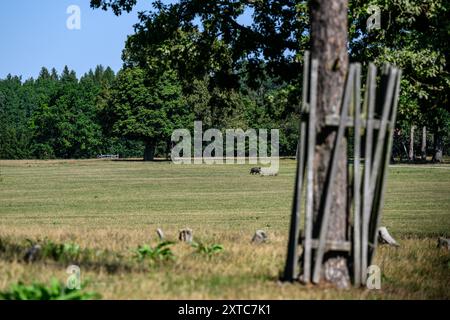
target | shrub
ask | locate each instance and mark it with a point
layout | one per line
(39, 291)
(60, 251)
(208, 250)
(158, 254)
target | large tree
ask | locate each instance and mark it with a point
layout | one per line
(414, 35)
(64, 124)
(209, 37)
(329, 46)
(146, 108)
(14, 114)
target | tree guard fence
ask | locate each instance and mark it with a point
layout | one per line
(373, 125)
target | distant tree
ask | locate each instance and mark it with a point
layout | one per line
(146, 108)
(65, 124)
(16, 105)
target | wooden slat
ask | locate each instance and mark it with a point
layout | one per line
(330, 181)
(290, 271)
(306, 75)
(384, 170)
(370, 101)
(310, 172)
(380, 144)
(357, 178)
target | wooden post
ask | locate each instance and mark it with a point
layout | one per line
(366, 197)
(378, 159)
(310, 174)
(357, 178)
(370, 101)
(290, 272)
(424, 144)
(379, 202)
(411, 155)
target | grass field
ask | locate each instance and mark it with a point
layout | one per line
(115, 206)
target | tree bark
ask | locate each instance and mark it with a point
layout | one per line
(411, 144)
(424, 144)
(149, 152)
(438, 147)
(329, 46)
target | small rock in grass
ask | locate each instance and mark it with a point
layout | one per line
(260, 236)
(32, 253)
(186, 235)
(160, 234)
(385, 238)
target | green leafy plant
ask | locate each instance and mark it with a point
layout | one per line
(208, 250)
(160, 253)
(39, 291)
(60, 251)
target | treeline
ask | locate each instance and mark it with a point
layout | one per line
(194, 60)
(57, 116)
(61, 116)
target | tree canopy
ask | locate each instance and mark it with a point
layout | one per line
(228, 63)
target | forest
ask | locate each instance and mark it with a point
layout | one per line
(193, 60)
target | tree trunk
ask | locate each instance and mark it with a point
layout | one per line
(424, 144)
(149, 152)
(438, 147)
(411, 144)
(329, 46)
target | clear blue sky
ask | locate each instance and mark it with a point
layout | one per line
(33, 34)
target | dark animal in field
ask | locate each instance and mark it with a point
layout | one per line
(255, 170)
(32, 253)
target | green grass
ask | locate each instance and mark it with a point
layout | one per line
(117, 206)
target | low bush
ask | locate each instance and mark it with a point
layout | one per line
(40, 291)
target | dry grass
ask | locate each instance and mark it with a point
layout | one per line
(117, 205)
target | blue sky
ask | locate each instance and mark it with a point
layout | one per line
(33, 34)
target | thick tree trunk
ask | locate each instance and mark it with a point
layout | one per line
(329, 46)
(411, 144)
(423, 149)
(438, 147)
(149, 152)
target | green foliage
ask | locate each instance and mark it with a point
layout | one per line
(39, 291)
(60, 251)
(208, 250)
(158, 254)
(414, 35)
(195, 60)
(146, 108)
(65, 126)
(15, 108)
(58, 116)
(266, 47)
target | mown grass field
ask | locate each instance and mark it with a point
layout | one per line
(116, 206)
